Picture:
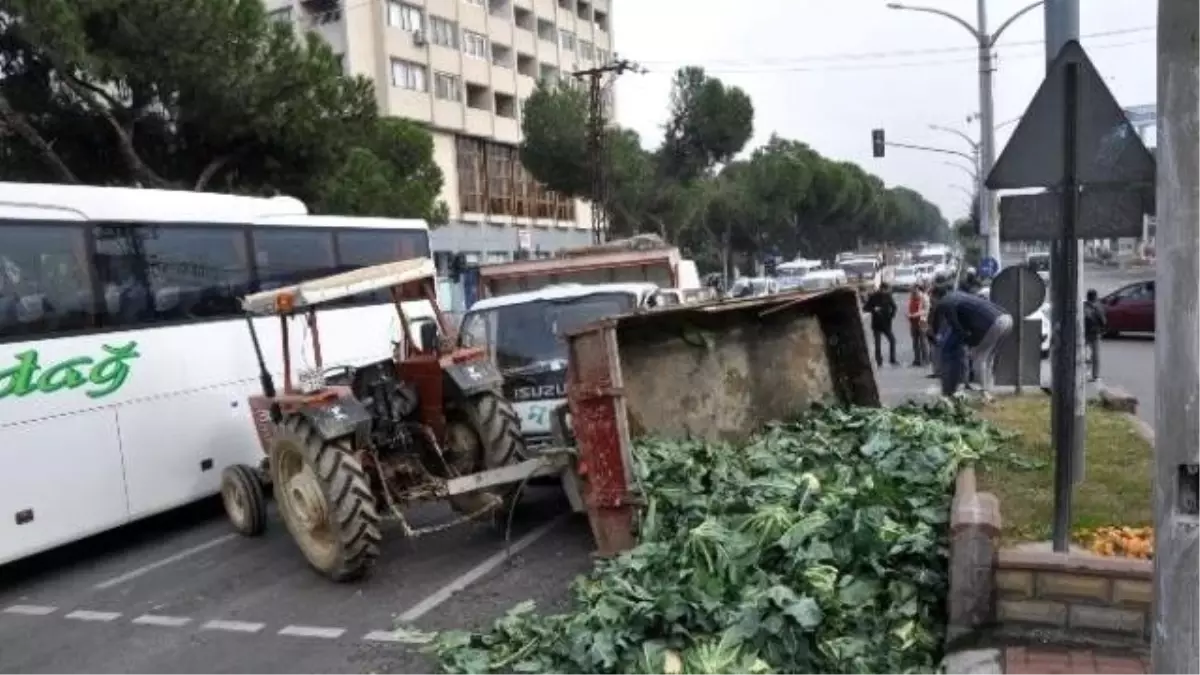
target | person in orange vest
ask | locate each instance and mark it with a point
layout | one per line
(918, 323)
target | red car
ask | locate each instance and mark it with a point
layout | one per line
(1130, 309)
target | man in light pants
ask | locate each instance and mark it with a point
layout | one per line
(980, 325)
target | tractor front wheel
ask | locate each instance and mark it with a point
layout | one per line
(484, 434)
(244, 499)
(325, 499)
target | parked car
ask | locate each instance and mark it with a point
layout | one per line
(908, 276)
(1130, 309)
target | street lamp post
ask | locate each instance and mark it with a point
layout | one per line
(987, 141)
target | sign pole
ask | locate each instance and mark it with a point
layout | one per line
(1065, 292)
(1174, 633)
(1020, 322)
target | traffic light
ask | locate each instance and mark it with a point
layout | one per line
(877, 142)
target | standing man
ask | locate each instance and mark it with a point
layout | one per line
(978, 324)
(882, 308)
(918, 319)
(1095, 323)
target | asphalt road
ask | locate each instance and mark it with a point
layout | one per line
(1127, 362)
(181, 593)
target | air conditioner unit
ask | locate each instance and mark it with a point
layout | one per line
(419, 38)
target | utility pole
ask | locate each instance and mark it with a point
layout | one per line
(597, 132)
(1174, 629)
(988, 216)
(1061, 26)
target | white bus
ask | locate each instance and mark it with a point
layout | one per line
(125, 362)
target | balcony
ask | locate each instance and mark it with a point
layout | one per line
(584, 10)
(503, 56)
(527, 65)
(601, 20)
(546, 32)
(500, 9)
(548, 74)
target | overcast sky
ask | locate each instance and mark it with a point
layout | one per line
(828, 71)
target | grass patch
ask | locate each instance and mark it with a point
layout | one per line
(1119, 466)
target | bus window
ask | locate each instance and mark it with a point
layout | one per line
(286, 256)
(152, 274)
(45, 284)
(362, 248)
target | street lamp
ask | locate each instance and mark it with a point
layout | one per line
(987, 144)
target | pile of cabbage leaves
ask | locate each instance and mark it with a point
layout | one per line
(820, 546)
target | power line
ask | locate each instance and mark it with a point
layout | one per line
(859, 56)
(782, 68)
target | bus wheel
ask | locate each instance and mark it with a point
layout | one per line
(244, 499)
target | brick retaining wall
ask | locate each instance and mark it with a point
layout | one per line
(1084, 595)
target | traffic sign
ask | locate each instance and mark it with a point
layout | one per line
(1103, 214)
(988, 268)
(1019, 290)
(1108, 150)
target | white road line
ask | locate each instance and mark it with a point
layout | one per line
(234, 626)
(159, 620)
(135, 573)
(86, 615)
(476, 573)
(313, 632)
(30, 610)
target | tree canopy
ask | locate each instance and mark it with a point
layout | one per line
(699, 188)
(200, 94)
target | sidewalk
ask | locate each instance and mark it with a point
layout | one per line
(1052, 660)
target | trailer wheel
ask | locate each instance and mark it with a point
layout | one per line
(244, 499)
(325, 499)
(485, 434)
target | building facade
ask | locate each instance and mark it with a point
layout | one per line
(464, 69)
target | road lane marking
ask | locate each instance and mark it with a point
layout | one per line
(313, 632)
(87, 615)
(30, 610)
(234, 626)
(159, 620)
(478, 572)
(144, 569)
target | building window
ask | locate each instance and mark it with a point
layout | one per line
(281, 14)
(447, 87)
(567, 40)
(409, 75)
(601, 55)
(287, 255)
(405, 17)
(475, 45)
(443, 32)
(587, 50)
(477, 3)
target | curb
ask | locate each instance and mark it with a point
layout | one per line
(974, 662)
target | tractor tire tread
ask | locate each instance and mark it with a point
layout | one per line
(351, 502)
(248, 481)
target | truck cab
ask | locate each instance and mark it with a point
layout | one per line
(523, 335)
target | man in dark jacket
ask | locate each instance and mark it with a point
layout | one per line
(882, 308)
(1095, 323)
(978, 324)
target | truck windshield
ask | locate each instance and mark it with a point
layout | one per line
(530, 333)
(858, 268)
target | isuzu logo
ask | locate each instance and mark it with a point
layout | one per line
(539, 392)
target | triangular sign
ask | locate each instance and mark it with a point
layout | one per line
(1108, 149)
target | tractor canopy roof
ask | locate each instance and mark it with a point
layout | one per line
(339, 286)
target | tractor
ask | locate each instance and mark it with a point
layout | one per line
(347, 446)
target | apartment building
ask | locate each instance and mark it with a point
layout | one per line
(464, 68)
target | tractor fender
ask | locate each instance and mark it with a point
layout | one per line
(337, 418)
(475, 377)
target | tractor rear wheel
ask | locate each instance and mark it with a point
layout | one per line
(244, 499)
(325, 499)
(484, 434)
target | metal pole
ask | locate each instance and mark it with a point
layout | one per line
(1062, 25)
(1174, 628)
(988, 222)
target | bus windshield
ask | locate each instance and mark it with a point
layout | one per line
(530, 333)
